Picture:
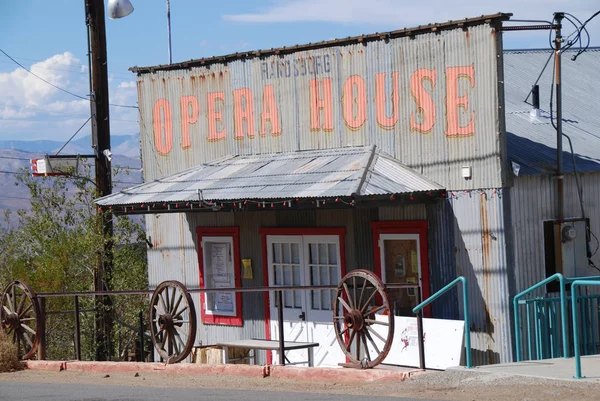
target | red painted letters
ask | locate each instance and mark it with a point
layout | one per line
(355, 98)
(381, 98)
(318, 103)
(423, 120)
(354, 120)
(454, 101)
(188, 118)
(243, 110)
(270, 114)
(215, 116)
(162, 121)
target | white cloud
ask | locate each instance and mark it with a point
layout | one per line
(394, 14)
(127, 84)
(14, 113)
(80, 106)
(32, 109)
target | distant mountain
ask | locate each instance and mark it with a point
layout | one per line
(123, 145)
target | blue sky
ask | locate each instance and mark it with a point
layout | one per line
(49, 37)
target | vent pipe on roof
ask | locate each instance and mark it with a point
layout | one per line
(535, 101)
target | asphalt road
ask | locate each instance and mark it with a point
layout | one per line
(88, 392)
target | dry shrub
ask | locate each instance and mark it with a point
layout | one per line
(9, 360)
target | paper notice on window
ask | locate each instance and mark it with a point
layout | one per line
(414, 262)
(224, 301)
(219, 261)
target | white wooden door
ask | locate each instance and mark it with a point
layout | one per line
(322, 254)
(286, 261)
(307, 315)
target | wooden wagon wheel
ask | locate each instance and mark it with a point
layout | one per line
(363, 319)
(172, 321)
(20, 317)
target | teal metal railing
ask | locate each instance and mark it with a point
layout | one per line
(563, 313)
(544, 339)
(441, 292)
(583, 313)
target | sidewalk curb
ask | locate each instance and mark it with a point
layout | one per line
(280, 372)
(55, 366)
(337, 374)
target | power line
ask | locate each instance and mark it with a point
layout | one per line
(115, 78)
(14, 158)
(58, 87)
(65, 69)
(37, 76)
(54, 112)
(13, 197)
(76, 132)
(128, 168)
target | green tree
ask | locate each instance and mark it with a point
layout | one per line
(54, 247)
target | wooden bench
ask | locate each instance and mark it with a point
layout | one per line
(267, 345)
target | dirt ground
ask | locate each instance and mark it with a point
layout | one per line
(451, 385)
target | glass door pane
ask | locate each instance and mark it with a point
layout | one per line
(401, 265)
(323, 270)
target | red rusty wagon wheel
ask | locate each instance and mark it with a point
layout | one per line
(20, 317)
(172, 321)
(363, 319)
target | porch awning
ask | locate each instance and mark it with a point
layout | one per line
(342, 174)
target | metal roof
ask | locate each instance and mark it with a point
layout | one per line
(351, 172)
(532, 139)
(464, 23)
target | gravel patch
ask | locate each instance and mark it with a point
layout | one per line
(456, 385)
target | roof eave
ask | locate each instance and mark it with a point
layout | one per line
(464, 23)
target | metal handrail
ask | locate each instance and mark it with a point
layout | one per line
(574, 298)
(211, 290)
(278, 290)
(563, 313)
(442, 291)
(563, 309)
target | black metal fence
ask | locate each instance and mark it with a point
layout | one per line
(142, 323)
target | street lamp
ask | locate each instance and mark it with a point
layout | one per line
(118, 8)
(94, 11)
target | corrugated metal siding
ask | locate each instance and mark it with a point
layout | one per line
(174, 254)
(480, 257)
(342, 172)
(432, 154)
(442, 260)
(250, 247)
(363, 239)
(533, 140)
(297, 218)
(533, 201)
(408, 212)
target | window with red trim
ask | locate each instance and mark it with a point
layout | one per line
(220, 267)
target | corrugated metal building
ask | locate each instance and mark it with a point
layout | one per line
(385, 152)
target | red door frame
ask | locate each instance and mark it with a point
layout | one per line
(230, 232)
(264, 232)
(405, 227)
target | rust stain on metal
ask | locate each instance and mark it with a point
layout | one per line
(486, 245)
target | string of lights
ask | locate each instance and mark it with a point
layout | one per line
(280, 204)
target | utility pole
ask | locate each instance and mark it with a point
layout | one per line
(101, 144)
(169, 29)
(560, 212)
